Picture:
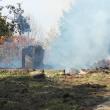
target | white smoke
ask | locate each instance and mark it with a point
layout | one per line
(85, 35)
(43, 13)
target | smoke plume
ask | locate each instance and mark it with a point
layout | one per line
(85, 36)
(82, 33)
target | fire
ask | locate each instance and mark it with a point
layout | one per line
(2, 39)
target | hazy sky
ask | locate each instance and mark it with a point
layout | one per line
(45, 12)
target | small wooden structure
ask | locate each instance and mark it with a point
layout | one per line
(35, 54)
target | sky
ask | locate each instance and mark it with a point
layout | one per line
(46, 13)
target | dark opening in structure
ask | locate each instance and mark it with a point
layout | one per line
(33, 55)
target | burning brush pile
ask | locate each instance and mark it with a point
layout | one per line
(104, 64)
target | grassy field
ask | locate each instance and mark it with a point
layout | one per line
(19, 91)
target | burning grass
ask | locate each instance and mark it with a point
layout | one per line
(22, 92)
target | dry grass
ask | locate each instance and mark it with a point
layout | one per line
(19, 91)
